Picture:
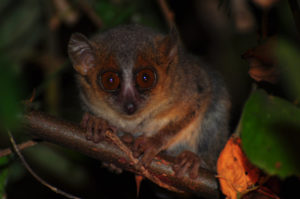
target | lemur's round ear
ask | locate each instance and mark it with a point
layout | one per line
(168, 46)
(81, 53)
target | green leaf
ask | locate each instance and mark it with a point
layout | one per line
(4, 4)
(3, 176)
(9, 101)
(270, 132)
(56, 164)
(22, 18)
(21, 28)
(288, 55)
(113, 13)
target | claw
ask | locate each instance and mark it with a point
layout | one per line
(84, 120)
(187, 162)
(95, 127)
(147, 147)
(137, 147)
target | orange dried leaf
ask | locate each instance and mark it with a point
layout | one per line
(236, 174)
(263, 74)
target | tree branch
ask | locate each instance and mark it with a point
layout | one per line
(160, 171)
(87, 8)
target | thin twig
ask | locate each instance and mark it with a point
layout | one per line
(169, 15)
(91, 13)
(29, 169)
(64, 12)
(116, 140)
(21, 146)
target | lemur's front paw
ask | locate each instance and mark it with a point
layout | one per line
(95, 127)
(187, 161)
(148, 147)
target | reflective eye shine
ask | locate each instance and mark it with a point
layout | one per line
(145, 79)
(110, 81)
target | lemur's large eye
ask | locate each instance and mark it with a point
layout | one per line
(145, 78)
(110, 81)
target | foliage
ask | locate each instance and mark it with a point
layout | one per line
(9, 103)
(17, 39)
(57, 165)
(270, 128)
(3, 176)
(236, 174)
(113, 13)
(21, 29)
(288, 55)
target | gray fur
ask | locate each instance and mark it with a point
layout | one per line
(125, 41)
(192, 81)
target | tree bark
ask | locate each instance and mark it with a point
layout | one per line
(70, 135)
